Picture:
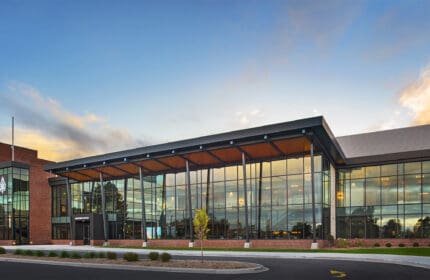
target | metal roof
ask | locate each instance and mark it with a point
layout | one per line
(270, 141)
(388, 145)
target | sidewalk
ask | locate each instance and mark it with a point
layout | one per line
(416, 261)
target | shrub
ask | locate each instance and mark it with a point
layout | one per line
(2, 250)
(401, 245)
(76, 255)
(39, 253)
(19, 252)
(101, 255)
(89, 255)
(359, 243)
(131, 257)
(165, 257)
(28, 253)
(376, 245)
(111, 255)
(388, 244)
(416, 244)
(341, 243)
(153, 256)
(52, 254)
(64, 254)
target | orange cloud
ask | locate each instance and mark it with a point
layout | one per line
(416, 97)
(43, 124)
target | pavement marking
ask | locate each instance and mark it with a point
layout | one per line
(337, 274)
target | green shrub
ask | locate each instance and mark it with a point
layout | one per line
(76, 255)
(359, 243)
(376, 245)
(111, 255)
(28, 253)
(416, 244)
(165, 257)
(401, 245)
(19, 252)
(2, 250)
(39, 253)
(153, 256)
(52, 254)
(342, 243)
(131, 257)
(89, 255)
(64, 254)
(101, 255)
(388, 244)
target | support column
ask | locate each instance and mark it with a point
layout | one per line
(314, 234)
(333, 201)
(105, 227)
(246, 245)
(143, 234)
(70, 212)
(190, 210)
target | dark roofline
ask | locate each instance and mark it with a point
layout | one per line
(382, 131)
(211, 141)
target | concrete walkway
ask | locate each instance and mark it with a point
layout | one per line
(416, 261)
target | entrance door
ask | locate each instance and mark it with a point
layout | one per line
(86, 233)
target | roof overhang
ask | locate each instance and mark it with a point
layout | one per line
(261, 143)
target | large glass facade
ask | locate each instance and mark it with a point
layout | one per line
(278, 192)
(14, 204)
(384, 201)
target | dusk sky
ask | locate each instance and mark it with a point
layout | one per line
(89, 77)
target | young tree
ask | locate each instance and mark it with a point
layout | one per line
(200, 222)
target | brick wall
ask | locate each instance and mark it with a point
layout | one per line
(40, 192)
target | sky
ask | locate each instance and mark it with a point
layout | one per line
(88, 77)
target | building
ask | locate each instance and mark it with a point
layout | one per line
(302, 184)
(25, 195)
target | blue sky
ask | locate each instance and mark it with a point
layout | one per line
(88, 77)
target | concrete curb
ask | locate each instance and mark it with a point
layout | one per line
(257, 269)
(415, 261)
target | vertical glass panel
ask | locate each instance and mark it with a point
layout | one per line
(218, 174)
(266, 169)
(373, 171)
(231, 172)
(279, 222)
(266, 222)
(279, 191)
(389, 190)
(220, 195)
(170, 180)
(295, 165)
(373, 191)
(412, 188)
(391, 226)
(426, 166)
(295, 189)
(412, 226)
(357, 192)
(279, 167)
(357, 173)
(412, 167)
(295, 221)
(389, 170)
(266, 198)
(180, 178)
(231, 194)
(426, 188)
(340, 194)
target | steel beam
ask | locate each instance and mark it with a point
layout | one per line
(105, 226)
(69, 210)
(246, 197)
(143, 224)
(314, 238)
(190, 210)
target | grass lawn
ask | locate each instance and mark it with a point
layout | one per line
(392, 251)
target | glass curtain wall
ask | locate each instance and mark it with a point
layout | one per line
(384, 201)
(279, 201)
(14, 204)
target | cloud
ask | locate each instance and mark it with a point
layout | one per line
(416, 98)
(58, 134)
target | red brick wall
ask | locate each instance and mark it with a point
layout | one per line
(40, 192)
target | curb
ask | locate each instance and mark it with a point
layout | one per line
(257, 269)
